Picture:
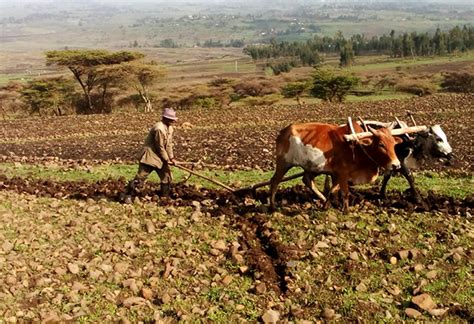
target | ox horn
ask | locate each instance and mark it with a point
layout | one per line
(364, 125)
(411, 117)
(399, 122)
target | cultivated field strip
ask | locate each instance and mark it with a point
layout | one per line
(239, 136)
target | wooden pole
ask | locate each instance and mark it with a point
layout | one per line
(266, 183)
(204, 177)
(395, 132)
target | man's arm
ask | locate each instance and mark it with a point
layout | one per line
(160, 145)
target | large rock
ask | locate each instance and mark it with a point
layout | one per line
(424, 302)
(271, 316)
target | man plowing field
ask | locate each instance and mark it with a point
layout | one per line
(157, 155)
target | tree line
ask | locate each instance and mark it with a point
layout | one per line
(411, 44)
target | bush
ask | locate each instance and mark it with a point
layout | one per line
(329, 85)
(255, 88)
(419, 88)
(294, 89)
(458, 82)
(262, 101)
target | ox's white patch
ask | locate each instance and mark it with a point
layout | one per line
(443, 146)
(306, 156)
(411, 162)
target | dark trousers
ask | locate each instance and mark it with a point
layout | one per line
(144, 171)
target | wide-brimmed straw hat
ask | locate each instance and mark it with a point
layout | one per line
(169, 113)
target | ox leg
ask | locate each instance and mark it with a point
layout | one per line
(335, 188)
(308, 178)
(409, 176)
(281, 169)
(387, 175)
(345, 192)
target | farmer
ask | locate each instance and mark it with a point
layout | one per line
(157, 155)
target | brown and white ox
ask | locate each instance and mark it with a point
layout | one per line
(322, 149)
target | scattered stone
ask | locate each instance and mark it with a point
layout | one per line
(328, 314)
(220, 245)
(438, 311)
(73, 268)
(227, 280)
(7, 246)
(361, 287)
(321, 245)
(414, 253)
(354, 256)
(121, 267)
(239, 307)
(77, 286)
(431, 274)
(403, 254)
(165, 298)
(271, 316)
(243, 269)
(237, 258)
(423, 301)
(150, 227)
(418, 267)
(394, 290)
(261, 288)
(133, 301)
(147, 293)
(412, 313)
(457, 256)
(214, 252)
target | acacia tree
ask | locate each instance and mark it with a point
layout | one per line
(48, 95)
(141, 76)
(86, 66)
(329, 85)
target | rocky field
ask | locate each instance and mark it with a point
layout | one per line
(71, 251)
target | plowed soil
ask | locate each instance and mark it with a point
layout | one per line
(232, 137)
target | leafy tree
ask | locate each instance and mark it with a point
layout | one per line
(87, 65)
(295, 90)
(168, 43)
(329, 85)
(48, 95)
(347, 55)
(141, 76)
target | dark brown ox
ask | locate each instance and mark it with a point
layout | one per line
(322, 149)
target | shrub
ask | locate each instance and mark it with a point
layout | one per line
(262, 101)
(458, 82)
(419, 88)
(329, 85)
(294, 89)
(255, 88)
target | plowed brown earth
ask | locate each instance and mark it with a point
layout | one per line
(228, 203)
(236, 137)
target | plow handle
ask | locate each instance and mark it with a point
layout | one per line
(204, 177)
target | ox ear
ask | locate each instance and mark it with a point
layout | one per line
(366, 141)
(398, 140)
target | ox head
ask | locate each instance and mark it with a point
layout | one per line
(381, 148)
(434, 143)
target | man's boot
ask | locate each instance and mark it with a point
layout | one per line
(165, 189)
(131, 188)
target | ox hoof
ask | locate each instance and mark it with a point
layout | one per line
(128, 200)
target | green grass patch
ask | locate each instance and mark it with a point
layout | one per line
(458, 187)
